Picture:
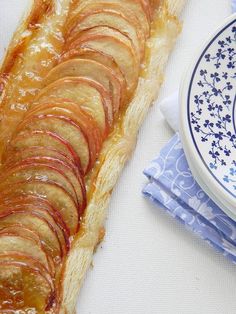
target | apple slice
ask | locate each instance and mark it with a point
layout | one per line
(32, 215)
(40, 138)
(16, 243)
(112, 19)
(35, 222)
(70, 110)
(31, 169)
(42, 209)
(63, 127)
(38, 152)
(112, 42)
(29, 262)
(56, 196)
(60, 161)
(19, 230)
(92, 70)
(68, 179)
(134, 7)
(100, 57)
(72, 113)
(88, 94)
(113, 8)
(23, 287)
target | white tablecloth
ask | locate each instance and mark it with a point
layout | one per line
(148, 263)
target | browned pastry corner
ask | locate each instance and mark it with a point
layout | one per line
(75, 85)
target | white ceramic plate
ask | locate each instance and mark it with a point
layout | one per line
(208, 116)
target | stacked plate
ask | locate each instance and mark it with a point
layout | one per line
(208, 117)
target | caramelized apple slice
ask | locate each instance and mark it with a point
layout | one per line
(56, 196)
(134, 7)
(112, 19)
(113, 43)
(92, 70)
(23, 287)
(113, 8)
(61, 162)
(71, 113)
(31, 213)
(35, 222)
(39, 151)
(88, 94)
(100, 57)
(31, 169)
(27, 261)
(47, 168)
(39, 205)
(40, 138)
(19, 230)
(16, 243)
(66, 129)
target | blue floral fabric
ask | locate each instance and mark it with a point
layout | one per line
(172, 186)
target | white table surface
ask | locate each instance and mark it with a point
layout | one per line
(148, 263)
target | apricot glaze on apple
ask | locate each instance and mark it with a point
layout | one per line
(74, 71)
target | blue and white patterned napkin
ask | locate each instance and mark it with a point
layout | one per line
(172, 187)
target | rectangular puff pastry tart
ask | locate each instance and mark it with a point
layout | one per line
(75, 85)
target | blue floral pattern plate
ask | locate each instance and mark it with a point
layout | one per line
(208, 116)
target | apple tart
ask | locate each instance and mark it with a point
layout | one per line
(75, 85)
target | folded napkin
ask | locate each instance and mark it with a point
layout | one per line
(172, 187)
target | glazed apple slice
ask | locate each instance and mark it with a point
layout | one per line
(29, 262)
(115, 9)
(88, 94)
(40, 138)
(66, 129)
(92, 70)
(16, 243)
(136, 7)
(18, 230)
(32, 169)
(43, 209)
(56, 196)
(113, 43)
(72, 113)
(61, 161)
(46, 169)
(39, 151)
(71, 110)
(24, 287)
(38, 224)
(31, 215)
(112, 19)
